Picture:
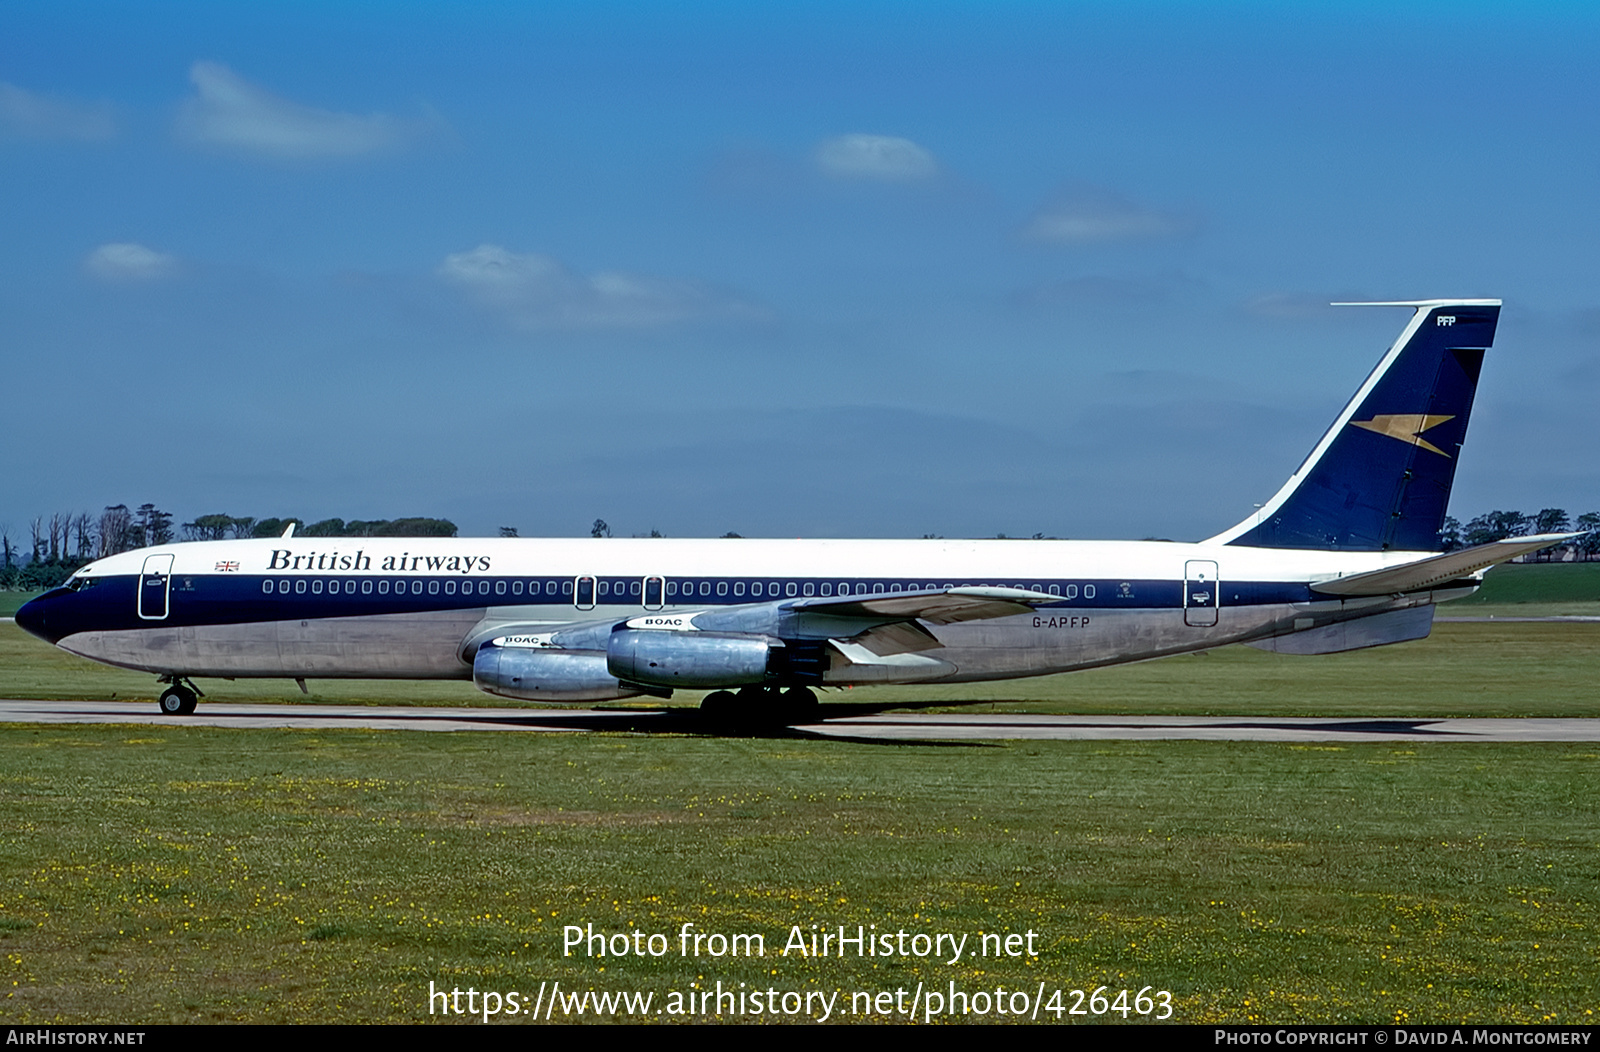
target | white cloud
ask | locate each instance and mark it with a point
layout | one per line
(538, 292)
(1087, 215)
(126, 261)
(229, 112)
(880, 157)
(27, 113)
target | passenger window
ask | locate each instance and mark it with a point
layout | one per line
(566, 587)
(1055, 589)
(416, 587)
(809, 588)
(773, 589)
(722, 587)
(266, 586)
(827, 589)
(350, 587)
(300, 585)
(383, 586)
(790, 590)
(705, 587)
(516, 587)
(738, 588)
(316, 587)
(755, 588)
(449, 588)
(366, 587)
(433, 587)
(499, 588)
(1088, 591)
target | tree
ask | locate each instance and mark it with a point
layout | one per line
(599, 529)
(208, 527)
(274, 527)
(1589, 543)
(325, 528)
(1450, 534)
(1495, 526)
(84, 524)
(1551, 520)
(154, 525)
(116, 530)
(508, 531)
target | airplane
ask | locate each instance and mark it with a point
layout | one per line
(1346, 555)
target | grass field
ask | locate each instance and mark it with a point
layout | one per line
(168, 875)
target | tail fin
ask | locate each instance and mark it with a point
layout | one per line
(1380, 478)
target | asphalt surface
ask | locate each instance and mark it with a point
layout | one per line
(841, 721)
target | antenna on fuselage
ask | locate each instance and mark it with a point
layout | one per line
(288, 531)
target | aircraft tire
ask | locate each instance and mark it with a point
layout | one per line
(800, 705)
(719, 704)
(175, 701)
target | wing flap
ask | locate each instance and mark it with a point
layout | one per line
(941, 606)
(1426, 573)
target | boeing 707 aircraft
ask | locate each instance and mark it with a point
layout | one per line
(1346, 555)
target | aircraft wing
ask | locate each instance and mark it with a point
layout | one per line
(1434, 570)
(941, 606)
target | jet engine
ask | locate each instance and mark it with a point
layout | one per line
(545, 674)
(696, 660)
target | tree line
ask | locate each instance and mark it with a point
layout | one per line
(1499, 525)
(61, 543)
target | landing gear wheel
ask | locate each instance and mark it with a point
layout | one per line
(799, 705)
(719, 704)
(177, 701)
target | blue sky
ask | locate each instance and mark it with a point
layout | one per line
(802, 270)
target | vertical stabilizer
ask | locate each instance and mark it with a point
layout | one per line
(1380, 478)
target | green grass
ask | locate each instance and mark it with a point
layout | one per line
(11, 602)
(1533, 590)
(186, 874)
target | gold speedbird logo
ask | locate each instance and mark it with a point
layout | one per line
(1407, 427)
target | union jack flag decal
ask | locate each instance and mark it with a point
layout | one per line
(227, 567)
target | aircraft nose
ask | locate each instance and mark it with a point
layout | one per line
(34, 619)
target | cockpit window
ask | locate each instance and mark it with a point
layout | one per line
(78, 584)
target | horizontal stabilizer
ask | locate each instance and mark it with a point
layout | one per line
(1395, 626)
(1426, 573)
(941, 606)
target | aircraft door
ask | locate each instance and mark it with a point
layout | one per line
(583, 593)
(155, 582)
(1201, 593)
(653, 589)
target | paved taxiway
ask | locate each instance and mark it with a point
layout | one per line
(844, 721)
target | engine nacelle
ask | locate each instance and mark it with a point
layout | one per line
(542, 674)
(688, 659)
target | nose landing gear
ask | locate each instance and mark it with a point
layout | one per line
(180, 698)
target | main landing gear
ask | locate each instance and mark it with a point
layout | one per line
(762, 705)
(180, 698)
